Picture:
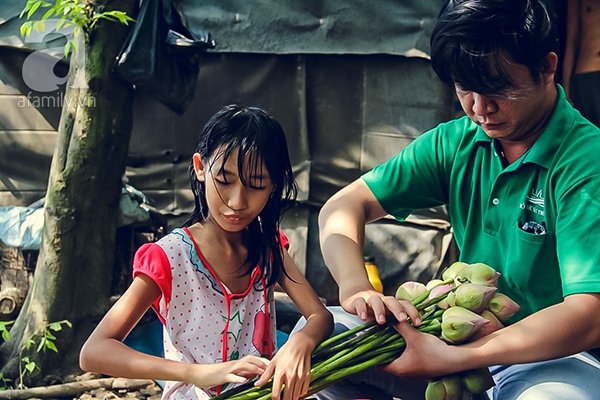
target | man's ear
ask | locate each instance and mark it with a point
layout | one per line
(548, 67)
(198, 166)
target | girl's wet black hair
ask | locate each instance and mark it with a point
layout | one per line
(472, 39)
(260, 137)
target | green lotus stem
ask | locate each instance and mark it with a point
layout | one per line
(336, 361)
(351, 351)
(343, 335)
(253, 393)
(349, 343)
(435, 300)
(343, 373)
(248, 386)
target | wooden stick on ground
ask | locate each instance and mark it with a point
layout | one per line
(74, 388)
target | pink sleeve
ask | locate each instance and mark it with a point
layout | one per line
(151, 260)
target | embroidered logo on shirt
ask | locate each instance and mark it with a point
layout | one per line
(534, 202)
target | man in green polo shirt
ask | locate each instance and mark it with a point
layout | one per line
(520, 174)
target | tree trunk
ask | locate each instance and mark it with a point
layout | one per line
(73, 275)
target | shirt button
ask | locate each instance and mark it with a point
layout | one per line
(496, 201)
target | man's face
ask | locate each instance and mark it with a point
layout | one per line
(515, 113)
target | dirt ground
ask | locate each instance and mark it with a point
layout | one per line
(90, 387)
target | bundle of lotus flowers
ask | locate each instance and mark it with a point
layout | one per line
(461, 306)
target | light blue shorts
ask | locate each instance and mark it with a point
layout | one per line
(575, 377)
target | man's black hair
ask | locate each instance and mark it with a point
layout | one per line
(472, 40)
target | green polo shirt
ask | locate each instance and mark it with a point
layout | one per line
(557, 182)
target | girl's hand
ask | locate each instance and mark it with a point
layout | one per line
(290, 369)
(371, 305)
(237, 371)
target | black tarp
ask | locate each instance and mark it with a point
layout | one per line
(349, 81)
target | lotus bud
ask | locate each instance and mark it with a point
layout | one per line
(451, 299)
(410, 290)
(474, 297)
(503, 306)
(435, 391)
(432, 283)
(482, 274)
(478, 380)
(493, 326)
(454, 270)
(448, 388)
(459, 324)
(439, 291)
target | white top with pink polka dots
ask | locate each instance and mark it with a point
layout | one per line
(202, 319)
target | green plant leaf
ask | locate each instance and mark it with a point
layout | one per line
(51, 346)
(26, 28)
(33, 8)
(30, 366)
(48, 14)
(56, 326)
(41, 345)
(70, 46)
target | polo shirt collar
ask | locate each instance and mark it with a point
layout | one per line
(544, 149)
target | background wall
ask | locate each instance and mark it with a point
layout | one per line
(350, 84)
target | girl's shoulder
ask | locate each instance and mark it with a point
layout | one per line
(174, 245)
(179, 237)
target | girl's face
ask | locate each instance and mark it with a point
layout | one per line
(231, 204)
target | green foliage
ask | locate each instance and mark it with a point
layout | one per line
(80, 15)
(4, 382)
(26, 364)
(4, 329)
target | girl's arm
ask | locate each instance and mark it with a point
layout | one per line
(104, 351)
(291, 364)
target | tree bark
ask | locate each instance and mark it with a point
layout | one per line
(74, 388)
(73, 274)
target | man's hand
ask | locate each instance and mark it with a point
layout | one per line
(425, 356)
